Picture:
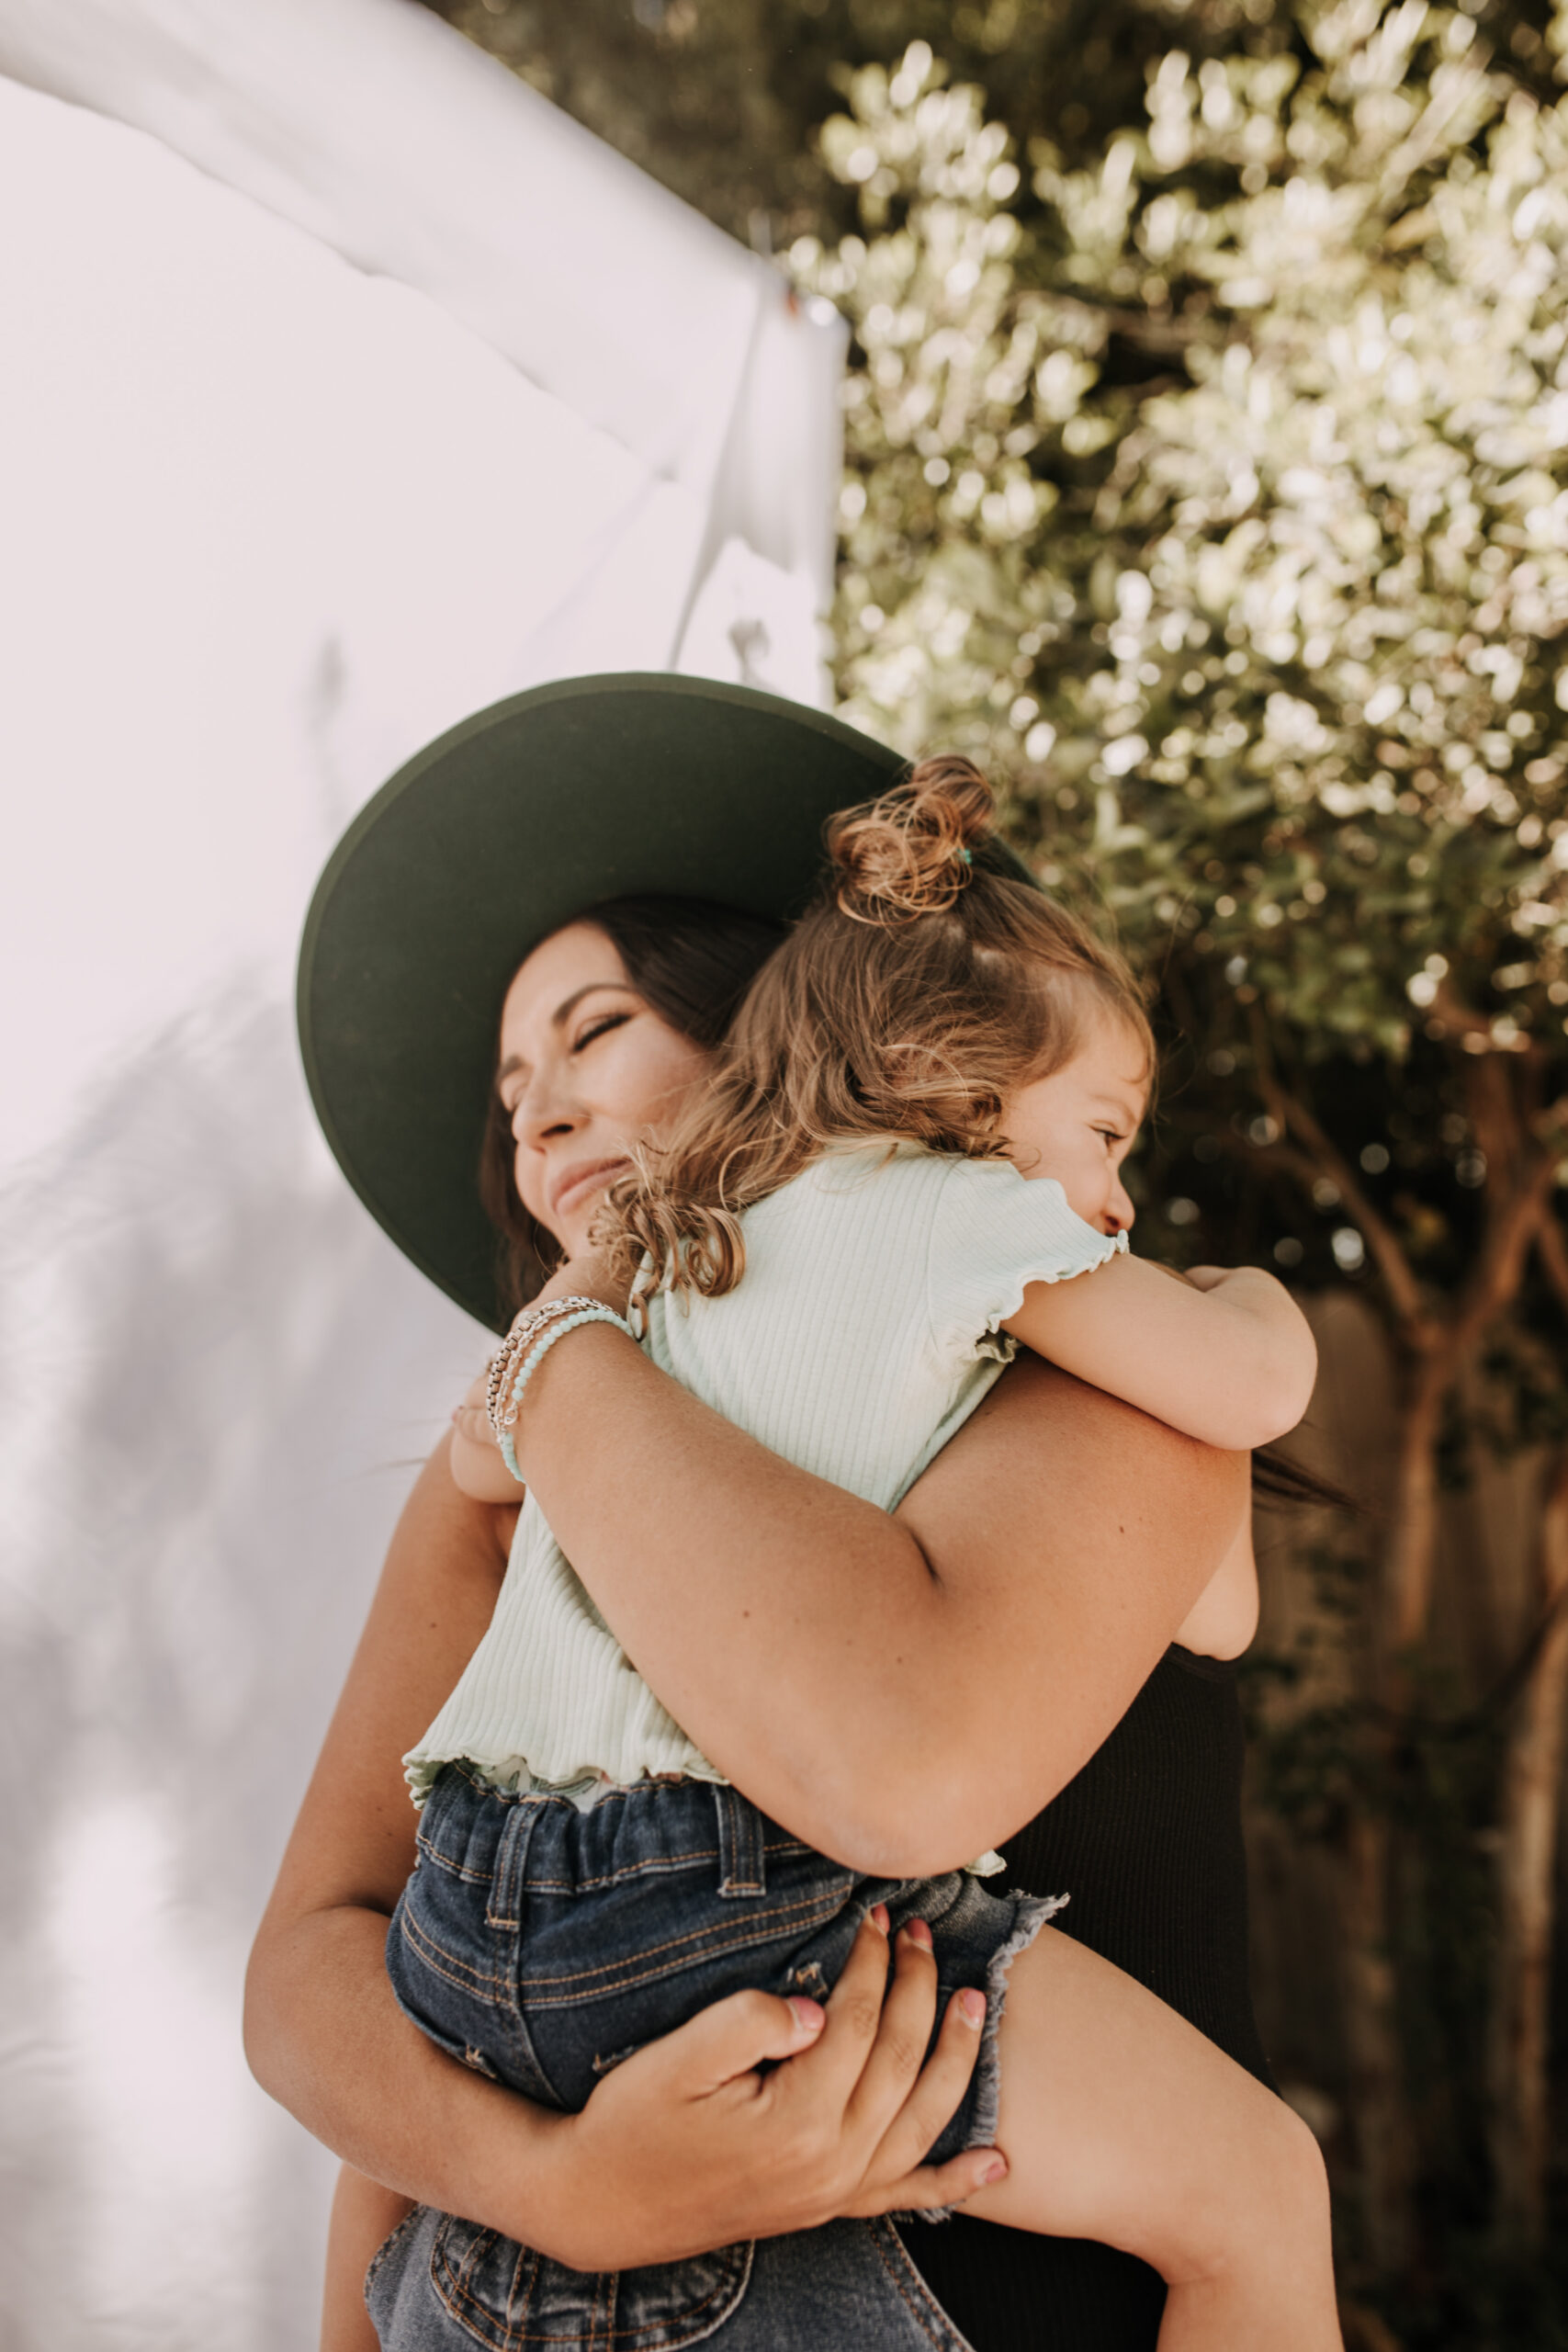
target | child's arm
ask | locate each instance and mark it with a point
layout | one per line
(364, 2217)
(1225, 1356)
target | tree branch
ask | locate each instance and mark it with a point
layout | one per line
(1551, 1253)
(1500, 1267)
(1418, 1328)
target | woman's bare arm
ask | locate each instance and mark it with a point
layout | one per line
(323, 2030)
(901, 1691)
(685, 2147)
(364, 2216)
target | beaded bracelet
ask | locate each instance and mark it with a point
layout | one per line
(591, 1311)
(513, 1347)
(504, 1365)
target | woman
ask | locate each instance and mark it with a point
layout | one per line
(1014, 1659)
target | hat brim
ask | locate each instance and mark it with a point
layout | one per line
(491, 838)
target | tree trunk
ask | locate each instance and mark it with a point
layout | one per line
(1378, 2104)
(1397, 1617)
(1407, 1585)
(1532, 1775)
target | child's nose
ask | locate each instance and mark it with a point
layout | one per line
(1119, 1208)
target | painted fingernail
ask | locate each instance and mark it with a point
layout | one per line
(877, 1915)
(972, 2007)
(919, 1933)
(995, 2170)
(809, 2015)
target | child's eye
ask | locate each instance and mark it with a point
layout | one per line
(1111, 1134)
(598, 1029)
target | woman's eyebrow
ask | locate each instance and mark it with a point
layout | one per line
(558, 1019)
(564, 1012)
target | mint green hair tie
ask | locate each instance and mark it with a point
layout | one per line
(967, 855)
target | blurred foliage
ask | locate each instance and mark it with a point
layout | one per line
(721, 99)
(1268, 639)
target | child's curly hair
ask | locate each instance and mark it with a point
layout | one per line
(910, 1002)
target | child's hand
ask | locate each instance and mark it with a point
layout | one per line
(588, 1276)
(471, 1422)
(477, 1466)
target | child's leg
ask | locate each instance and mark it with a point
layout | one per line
(364, 2216)
(1122, 2122)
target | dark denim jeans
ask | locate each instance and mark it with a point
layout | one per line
(442, 2285)
(542, 1945)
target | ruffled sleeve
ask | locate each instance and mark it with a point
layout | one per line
(993, 1234)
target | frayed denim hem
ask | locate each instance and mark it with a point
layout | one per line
(1034, 1911)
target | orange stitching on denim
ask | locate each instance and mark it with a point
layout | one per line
(605, 1982)
(468, 1978)
(695, 2320)
(378, 2259)
(651, 1868)
(782, 1914)
(919, 2309)
(545, 1992)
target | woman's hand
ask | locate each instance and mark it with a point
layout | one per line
(687, 2146)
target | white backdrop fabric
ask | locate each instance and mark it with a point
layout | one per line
(276, 503)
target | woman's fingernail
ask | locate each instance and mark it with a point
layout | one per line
(877, 1915)
(972, 2007)
(919, 1933)
(809, 2015)
(995, 2170)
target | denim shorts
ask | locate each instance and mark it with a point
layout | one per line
(541, 1945)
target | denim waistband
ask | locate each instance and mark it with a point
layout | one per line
(484, 1832)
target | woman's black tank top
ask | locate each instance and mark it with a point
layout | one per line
(1147, 1842)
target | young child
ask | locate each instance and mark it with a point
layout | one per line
(910, 1163)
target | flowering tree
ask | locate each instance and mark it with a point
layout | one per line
(1216, 497)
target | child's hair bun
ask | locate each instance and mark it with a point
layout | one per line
(909, 854)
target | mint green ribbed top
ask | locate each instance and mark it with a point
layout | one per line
(863, 1331)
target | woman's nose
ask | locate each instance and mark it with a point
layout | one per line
(545, 1108)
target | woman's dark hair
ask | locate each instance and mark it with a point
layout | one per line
(1290, 1485)
(693, 961)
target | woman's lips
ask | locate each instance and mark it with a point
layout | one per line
(573, 1182)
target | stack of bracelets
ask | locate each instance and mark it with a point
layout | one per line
(517, 1359)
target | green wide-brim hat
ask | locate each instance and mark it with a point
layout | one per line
(491, 838)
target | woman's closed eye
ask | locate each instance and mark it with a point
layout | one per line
(598, 1027)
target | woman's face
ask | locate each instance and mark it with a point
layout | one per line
(587, 1069)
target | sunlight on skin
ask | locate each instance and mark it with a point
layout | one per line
(587, 1069)
(1079, 1123)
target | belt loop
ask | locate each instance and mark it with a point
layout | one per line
(742, 1868)
(504, 1908)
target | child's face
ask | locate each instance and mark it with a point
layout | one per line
(587, 1069)
(1079, 1123)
